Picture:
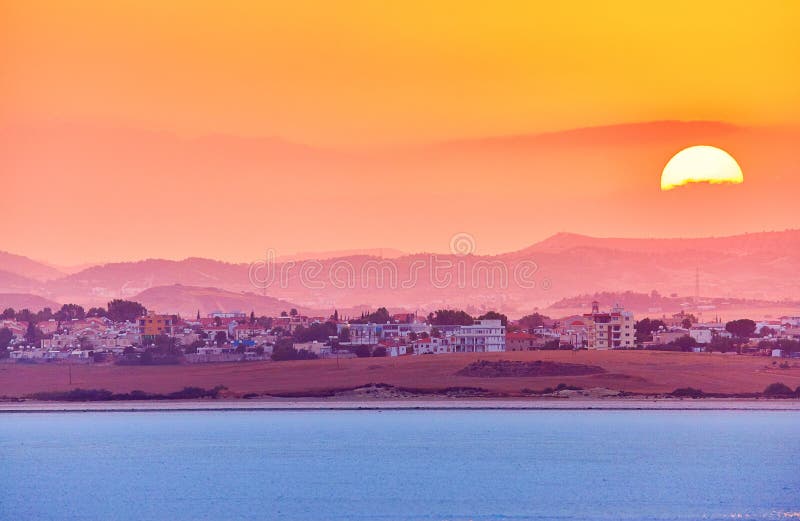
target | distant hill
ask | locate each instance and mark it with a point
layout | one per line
(187, 300)
(384, 253)
(760, 266)
(20, 301)
(28, 268)
(656, 304)
(14, 283)
(772, 243)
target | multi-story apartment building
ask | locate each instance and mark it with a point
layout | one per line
(152, 325)
(485, 336)
(610, 330)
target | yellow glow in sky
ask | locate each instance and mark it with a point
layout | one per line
(356, 72)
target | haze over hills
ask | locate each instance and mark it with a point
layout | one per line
(28, 268)
(613, 169)
(187, 300)
(753, 266)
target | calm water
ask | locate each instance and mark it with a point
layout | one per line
(426, 465)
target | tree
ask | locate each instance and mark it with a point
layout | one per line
(284, 314)
(193, 347)
(98, 312)
(26, 315)
(362, 351)
(344, 335)
(533, 321)
(284, 350)
(9, 314)
(721, 344)
(264, 322)
(450, 317)
(6, 336)
(167, 345)
(125, 310)
(33, 334)
(220, 338)
(380, 316)
(69, 312)
(44, 315)
(379, 351)
(742, 329)
(778, 389)
(644, 329)
(293, 312)
(252, 317)
(316, 331)
(685, 343)
(494, 315)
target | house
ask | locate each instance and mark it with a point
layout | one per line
(701, 334)
(431, 346)
(523, 342)
(669, 336)
(318, 348)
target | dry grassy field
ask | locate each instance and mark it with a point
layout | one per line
(632, 371)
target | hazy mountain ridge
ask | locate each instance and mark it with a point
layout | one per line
(188, 300)
(754, 266)
(27, 267)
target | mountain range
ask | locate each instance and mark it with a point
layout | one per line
(748, 266)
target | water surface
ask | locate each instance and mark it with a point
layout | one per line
(400, 465)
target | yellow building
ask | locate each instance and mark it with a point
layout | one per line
(153, 325)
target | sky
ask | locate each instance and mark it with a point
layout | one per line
(138, 129)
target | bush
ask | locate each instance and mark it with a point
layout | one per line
(362, 351)
(565, 387)
(379, 351)
(778, 389)
(687, 392)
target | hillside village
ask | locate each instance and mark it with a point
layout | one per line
(126, 333)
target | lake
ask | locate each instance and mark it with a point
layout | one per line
(400, 465)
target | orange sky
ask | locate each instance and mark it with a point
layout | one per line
(359, 74)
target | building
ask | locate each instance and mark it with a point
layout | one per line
(431, 346)
(610, 330)
(153, 325)
(667, 337)
(523, 342)
(485, 336)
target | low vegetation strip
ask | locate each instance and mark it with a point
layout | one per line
(774, 390)
(509, 368)
(104, 395)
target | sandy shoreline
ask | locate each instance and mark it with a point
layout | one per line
(420, 404)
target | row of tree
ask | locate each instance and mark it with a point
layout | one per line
(118, 310)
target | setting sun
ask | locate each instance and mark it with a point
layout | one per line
(701, 164)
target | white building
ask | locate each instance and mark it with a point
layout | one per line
(432, 346)
(485, 336)
(701, 334)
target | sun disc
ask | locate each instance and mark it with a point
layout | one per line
(701, 164)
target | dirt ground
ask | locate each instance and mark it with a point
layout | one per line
(631, 371)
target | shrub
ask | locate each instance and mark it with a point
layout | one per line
(778, 389)
(687, 392)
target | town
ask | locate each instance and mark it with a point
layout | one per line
(125, 333)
